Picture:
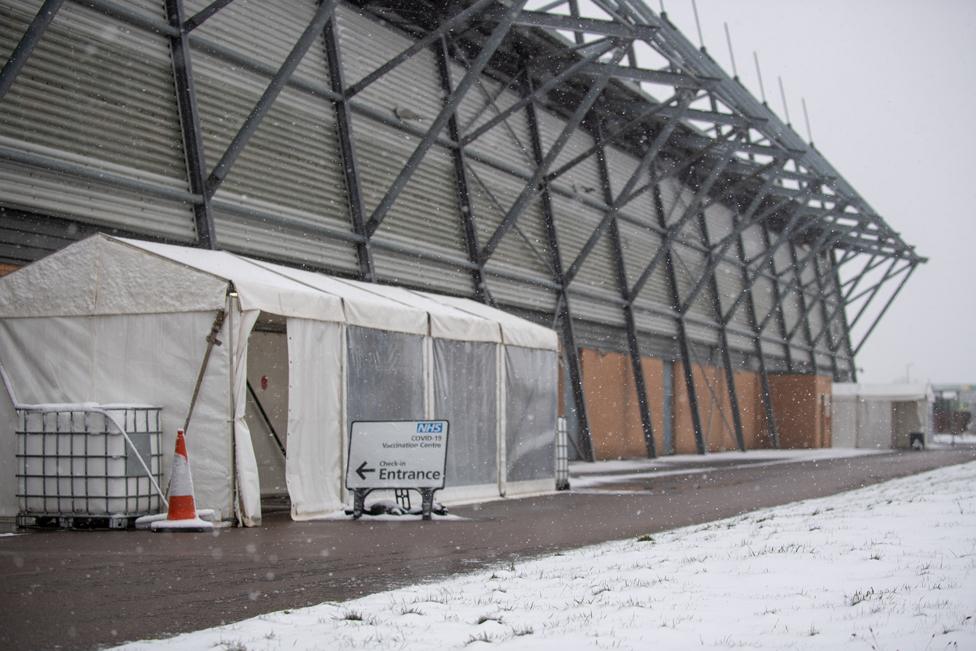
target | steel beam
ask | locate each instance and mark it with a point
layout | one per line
(792, 284)
(778, 298)
(803, 318)
(564, 313)
(715, 258)
(835, 276)
(583, 25)
(538, 92)
(472, 76)
(874, 289)
(611, 138)
(648, 158)
(347, 152)
(672, 79)
(723, 338)
(531, 188)
(633, 344)
(465, 207)
(186, 104)
(443, 29)
(859, 295)
(831, 344)
(25, 46)
(683, 346)
(322, 15)
(891, 299)
(201, 16)
(675, 228)
(766, 392)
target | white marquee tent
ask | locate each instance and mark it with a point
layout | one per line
(879, 415)
(110, 320)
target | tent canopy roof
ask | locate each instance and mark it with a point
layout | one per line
(896, 392)
(104, 275)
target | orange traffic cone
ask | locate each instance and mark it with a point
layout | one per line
(182, 507)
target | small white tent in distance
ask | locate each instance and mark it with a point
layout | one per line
(110, 320)
(880, 416)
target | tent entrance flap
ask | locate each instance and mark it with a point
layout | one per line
(313, 468)
(267, 406)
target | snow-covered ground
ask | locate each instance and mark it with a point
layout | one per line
(891, 566)
(591, 474)
(967, 438)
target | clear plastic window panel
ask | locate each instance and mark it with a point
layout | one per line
(464, 394)
(530, 420)
(386, 376)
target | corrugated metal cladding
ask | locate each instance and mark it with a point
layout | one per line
(287, 183)
(426, 214)
(98, 94)
(24, 238)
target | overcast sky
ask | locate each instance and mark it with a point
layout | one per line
(891, 86)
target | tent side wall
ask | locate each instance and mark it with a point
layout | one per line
(843, 418)
(137, 359)
(874, 423)
(9, 504)
(531, 387)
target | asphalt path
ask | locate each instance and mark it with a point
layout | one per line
(70, 589)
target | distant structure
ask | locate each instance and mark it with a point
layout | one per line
(599, 174)
(955, 404)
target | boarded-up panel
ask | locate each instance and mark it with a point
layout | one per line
(713, 408)
(612, 406)
(801, 406)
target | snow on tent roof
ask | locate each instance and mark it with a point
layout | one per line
(894, 392)
(101, 275)
(361, 308)
(516, 331)
(257, 288)
(109, 275)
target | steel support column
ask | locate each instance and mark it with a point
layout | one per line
(778, 298)
(723, 336)
(831, 344)
(347, 152)
(461, 182)
(683, 346)
(803, 318)
(564, 313)
(633, 344)
(186, 102)
(835, 275)
(747, 282)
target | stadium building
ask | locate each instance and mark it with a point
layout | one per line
(597, 174)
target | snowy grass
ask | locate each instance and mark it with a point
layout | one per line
(594, 474)
(582, 468)
(891, 566)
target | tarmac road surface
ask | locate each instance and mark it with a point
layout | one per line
(90, 589)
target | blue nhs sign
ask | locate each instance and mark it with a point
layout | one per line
(430, 427)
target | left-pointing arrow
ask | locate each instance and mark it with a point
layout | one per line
(362, 470)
